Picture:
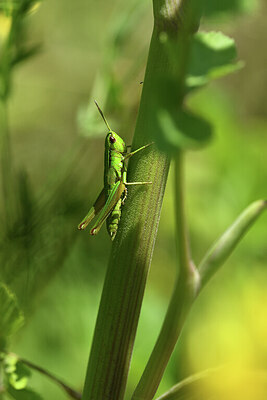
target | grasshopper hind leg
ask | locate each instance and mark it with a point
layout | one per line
(115, 216)
(114, 219)
(124, 196)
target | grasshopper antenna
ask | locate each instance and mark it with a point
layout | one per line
(102, 115)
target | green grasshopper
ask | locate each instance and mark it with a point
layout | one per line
(109, 202)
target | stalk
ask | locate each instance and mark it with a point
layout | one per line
(130, 257)
(133, 247)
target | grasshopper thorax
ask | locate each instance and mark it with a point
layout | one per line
(115, 142)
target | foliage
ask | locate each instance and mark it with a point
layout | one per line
(36, 239)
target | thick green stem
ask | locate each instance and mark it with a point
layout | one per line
(131, 255)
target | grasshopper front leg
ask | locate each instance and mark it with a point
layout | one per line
(136, 151)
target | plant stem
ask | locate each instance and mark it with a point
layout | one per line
(225, 245)
(179, 206)
(131, 256)
(190, 387)
(71, 392)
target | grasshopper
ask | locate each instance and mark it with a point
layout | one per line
(109, 202)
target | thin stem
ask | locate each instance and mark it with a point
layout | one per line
(190, 387)
(181, 300)
(71, 392)
(225, 245)
(181, 229)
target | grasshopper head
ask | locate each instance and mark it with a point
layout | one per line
(115, 142)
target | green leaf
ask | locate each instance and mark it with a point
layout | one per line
(17, 376)
(90, 125)
(181, 129)
(24, 394)
(11, 317)
(16, 372)
(213, 55)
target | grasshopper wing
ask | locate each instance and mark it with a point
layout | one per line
(94, 210)
(112, 200)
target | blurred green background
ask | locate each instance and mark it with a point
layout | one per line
(98, 50)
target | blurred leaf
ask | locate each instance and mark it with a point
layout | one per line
(108, 85)
(24, 54)
(11, 317)
(89, 121)
(21, 6)
(16, 372)
(181, 129)
(124, 23)
(24, 394)
(35, 5)
(215, 7)
(213, 55)
(27, 6)
(5, 24)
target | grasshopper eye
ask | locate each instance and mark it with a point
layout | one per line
(112, 139)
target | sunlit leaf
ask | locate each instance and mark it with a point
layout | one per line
(213, 55)
(89, 122)
(5, 24)
(216, 7)
(35, 6)
(17, 373)
(21, 6)
(26, 53)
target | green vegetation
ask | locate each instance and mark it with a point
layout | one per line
(54, 60)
